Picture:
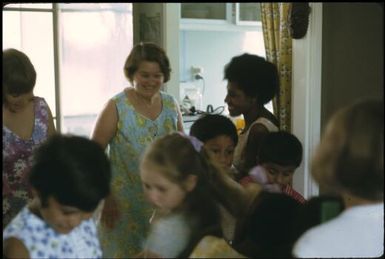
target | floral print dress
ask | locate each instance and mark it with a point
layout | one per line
(17, 159)
(42, 241)
(134, 133)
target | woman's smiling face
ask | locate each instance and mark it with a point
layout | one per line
(237, 101)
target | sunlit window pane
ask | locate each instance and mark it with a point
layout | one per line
(37, 6)
(31, 33)
(94, 47)
(118, 7)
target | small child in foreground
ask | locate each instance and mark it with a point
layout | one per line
(70, 175)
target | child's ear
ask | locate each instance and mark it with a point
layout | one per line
(191, 182)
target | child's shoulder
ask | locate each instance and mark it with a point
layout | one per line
(25, 223)
(294, 194)
(24, 229)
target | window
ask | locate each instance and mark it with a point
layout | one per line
(78, 51)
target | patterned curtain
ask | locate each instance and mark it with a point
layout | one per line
(278, 44)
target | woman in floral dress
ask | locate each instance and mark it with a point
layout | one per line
(130, 121)
(27, 122)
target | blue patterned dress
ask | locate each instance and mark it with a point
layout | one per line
(17, 160)
(42, 241)
(134, 133)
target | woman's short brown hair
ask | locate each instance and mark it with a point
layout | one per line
(19, 75)
(146, 51)
(350, 157)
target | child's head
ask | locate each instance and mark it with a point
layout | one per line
(19, 76)
(350, 156)
(175, 173)
(150, 52)
(267, 230)
(70, 175)
(280, 154)
(170, 170)
(219, 135)
(252, 81)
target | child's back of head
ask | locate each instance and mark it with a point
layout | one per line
(267, 231)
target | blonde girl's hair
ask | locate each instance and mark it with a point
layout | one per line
(350, 156)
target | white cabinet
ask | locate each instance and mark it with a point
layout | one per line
(247, 13)
(220, 16)
(206, 12)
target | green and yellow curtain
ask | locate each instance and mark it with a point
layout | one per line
(278, 46)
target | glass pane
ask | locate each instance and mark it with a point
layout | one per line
(94, 48)
(250, 12)
(40, 6)
(204, 10)
(31, 33)
(97, 7)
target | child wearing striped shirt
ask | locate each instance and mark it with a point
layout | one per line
(279, 155)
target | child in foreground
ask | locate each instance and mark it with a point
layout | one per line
(186, 188)
(69, 177)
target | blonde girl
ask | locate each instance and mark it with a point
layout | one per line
(181, 182)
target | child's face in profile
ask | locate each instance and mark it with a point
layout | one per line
(282, 175)
(62, 218)
(222, 148)
(162, 192)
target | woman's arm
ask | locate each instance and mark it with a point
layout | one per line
(51, 125)
(106, 124)
(14, 248)
(256, 134)
(180, 119)
(104, 131)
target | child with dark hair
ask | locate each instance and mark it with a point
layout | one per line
(219, 136)
(70, 175)
(267, 230)
(279, 155)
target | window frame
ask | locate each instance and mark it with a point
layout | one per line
(56, 41)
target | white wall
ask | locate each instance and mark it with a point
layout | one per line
(212, 50)
(306, 97)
